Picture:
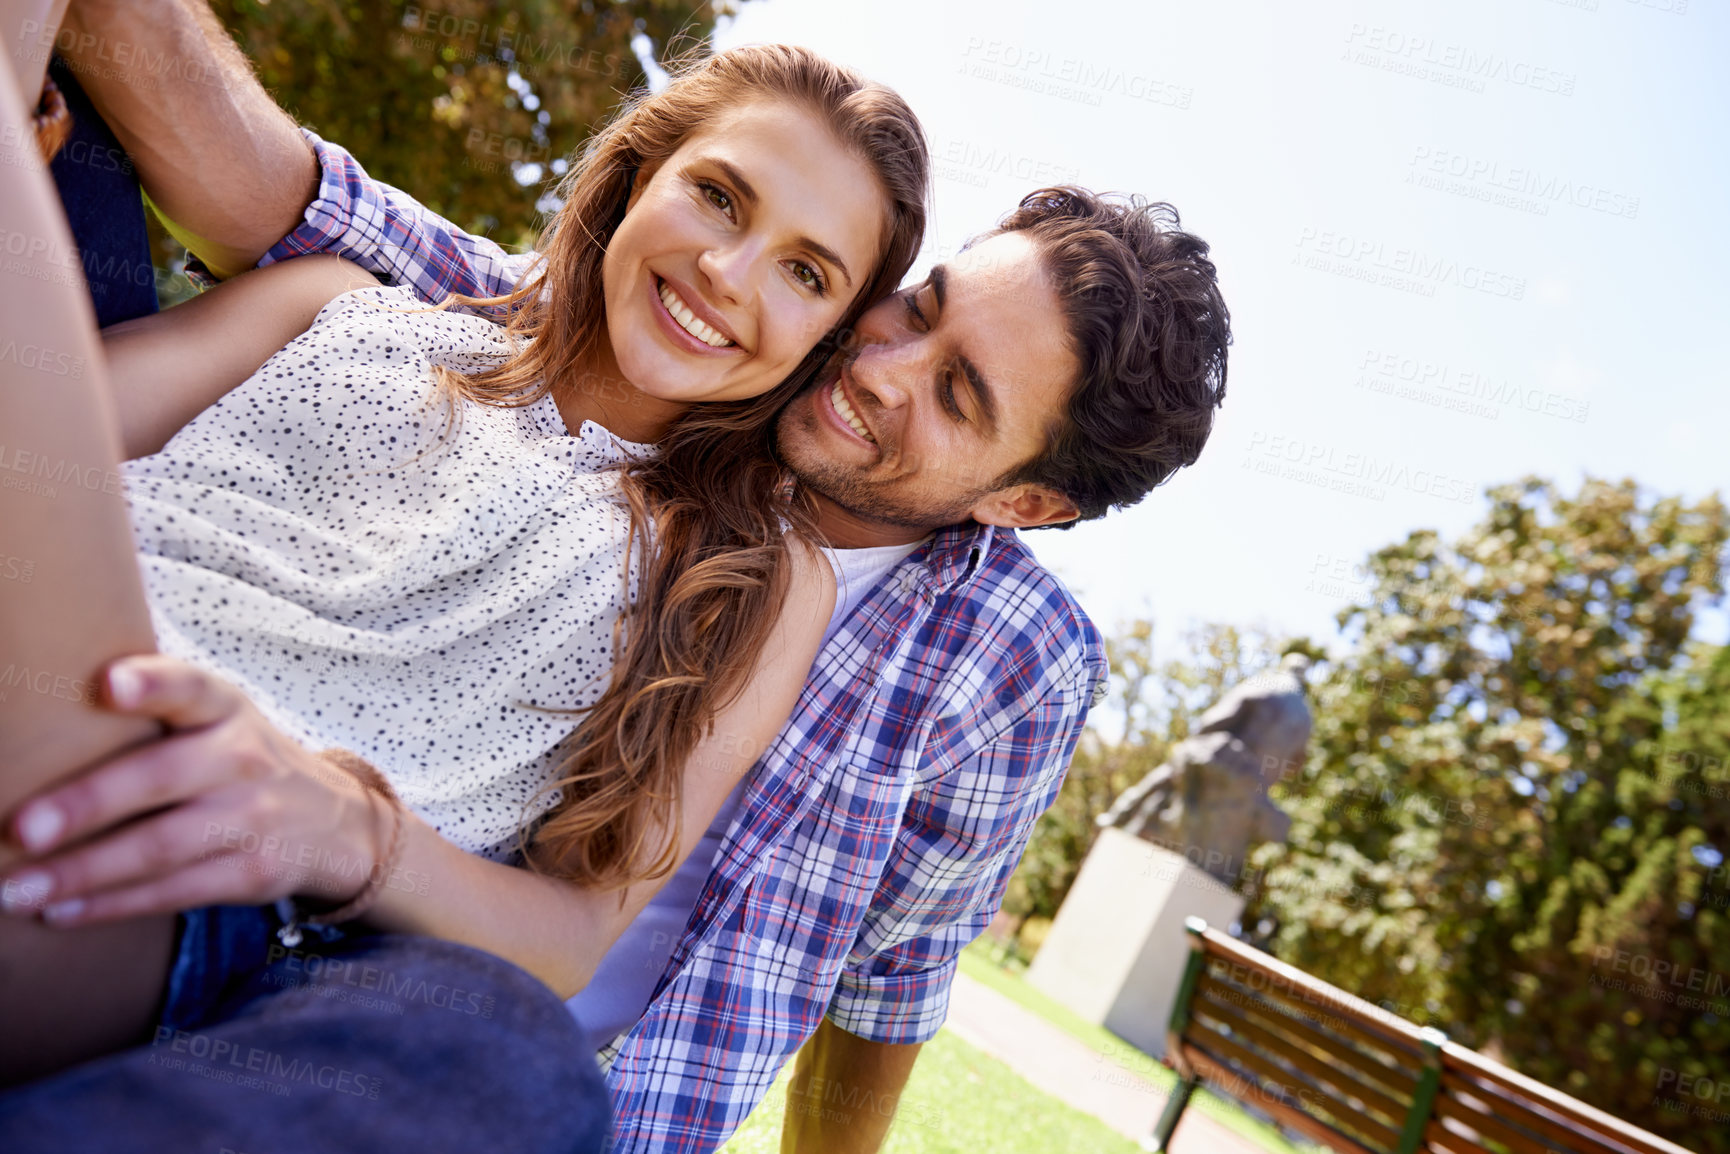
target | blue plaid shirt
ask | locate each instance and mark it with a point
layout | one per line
(876, 835)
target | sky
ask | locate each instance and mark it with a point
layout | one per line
(1461, 243)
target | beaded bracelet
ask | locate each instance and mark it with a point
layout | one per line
(373, 782)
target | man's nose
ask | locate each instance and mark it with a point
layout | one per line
(887, 373)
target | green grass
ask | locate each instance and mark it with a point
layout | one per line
(979, 962)
(958, 1101)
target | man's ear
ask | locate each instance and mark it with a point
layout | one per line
(1025, 507)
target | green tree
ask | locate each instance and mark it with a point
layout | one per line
(455, 102)
(1512, 821)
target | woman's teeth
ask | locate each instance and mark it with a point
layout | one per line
(839, 400)
(688, 321)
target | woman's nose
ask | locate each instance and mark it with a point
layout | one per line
(733, 269)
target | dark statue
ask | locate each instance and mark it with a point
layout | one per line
(1209, 800)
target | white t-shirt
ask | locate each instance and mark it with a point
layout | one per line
(619, 992)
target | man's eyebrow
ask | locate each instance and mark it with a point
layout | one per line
(821, 251)
(981, 391)
(975, 379)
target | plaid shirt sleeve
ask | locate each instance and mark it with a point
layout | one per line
(961, 838)
(390, 234)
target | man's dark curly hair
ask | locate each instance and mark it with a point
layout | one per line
(1147, 321)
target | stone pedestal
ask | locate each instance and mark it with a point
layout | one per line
(1116, 951)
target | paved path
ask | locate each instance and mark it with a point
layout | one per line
(1113, 1091)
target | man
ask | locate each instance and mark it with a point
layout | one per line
(1065, 365)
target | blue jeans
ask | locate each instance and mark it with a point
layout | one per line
(359, 1043)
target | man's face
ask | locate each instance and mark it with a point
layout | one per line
(950, 385)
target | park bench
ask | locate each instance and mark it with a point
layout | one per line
(1355, 1078)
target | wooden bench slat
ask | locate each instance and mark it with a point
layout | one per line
(1442, 1140)
(1360, 1126)
(1393, 1050)
(1400, 1083)
(1345, 1087)
(1613, 1133)
(1398, 1033)
(1313, 1128)
(1490, 1127)
(1555, 1126)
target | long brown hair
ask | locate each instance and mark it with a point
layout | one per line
(711, 509)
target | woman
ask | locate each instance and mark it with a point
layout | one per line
(681, 269)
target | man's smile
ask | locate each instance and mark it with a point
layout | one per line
(837, 406)
(838, 399)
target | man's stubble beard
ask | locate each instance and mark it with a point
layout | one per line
(796, 439)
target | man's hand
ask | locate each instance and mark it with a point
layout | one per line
(844, 1093)
(224, 810)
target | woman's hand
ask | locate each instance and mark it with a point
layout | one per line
(224, 810)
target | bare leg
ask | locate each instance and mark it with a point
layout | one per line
(70, 600)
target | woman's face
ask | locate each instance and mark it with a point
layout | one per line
(738, 253)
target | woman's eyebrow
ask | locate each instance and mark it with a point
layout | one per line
(821, 251)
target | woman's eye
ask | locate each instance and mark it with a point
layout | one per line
(718, 197)
(810, 277)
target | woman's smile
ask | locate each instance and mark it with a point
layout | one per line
(695, 319)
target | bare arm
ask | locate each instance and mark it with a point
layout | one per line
(560, 933)
(226, 769)
(856, 1070)
(166, 368)
(227, 170)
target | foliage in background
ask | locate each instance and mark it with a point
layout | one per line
(1513, 821)
(450, 101)
(1151, 708)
